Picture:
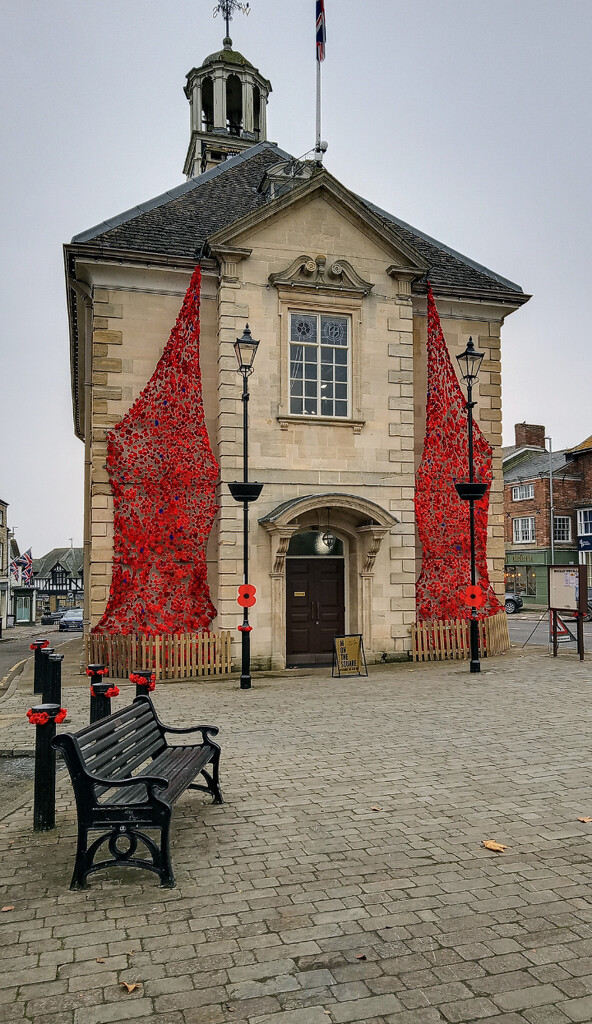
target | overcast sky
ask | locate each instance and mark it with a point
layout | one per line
(467, 118)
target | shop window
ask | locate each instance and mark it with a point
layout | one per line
(562, 528)
(521, 579)
(523, 530)
(522, 491)
(319, 365)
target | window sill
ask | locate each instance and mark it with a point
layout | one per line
(326, 421)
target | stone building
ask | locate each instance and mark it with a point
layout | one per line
(334, 288)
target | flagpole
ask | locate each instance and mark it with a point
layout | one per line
(318, 151)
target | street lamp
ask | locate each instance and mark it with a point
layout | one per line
(245, 491)
(470, 362)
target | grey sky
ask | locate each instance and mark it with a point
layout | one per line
(467, 118)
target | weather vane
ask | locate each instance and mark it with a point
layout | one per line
(227, 7)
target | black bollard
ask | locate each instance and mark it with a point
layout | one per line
(37, 646)
(52, 683)
(43, 717)
(44, 666)
(144, 679)
(100, 700)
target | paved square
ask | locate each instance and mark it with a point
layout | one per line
(343, 879)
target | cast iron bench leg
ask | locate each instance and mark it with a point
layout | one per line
(167, 878)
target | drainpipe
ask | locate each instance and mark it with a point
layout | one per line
(552, 509)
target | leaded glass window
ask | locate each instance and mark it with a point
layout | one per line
(319, 365)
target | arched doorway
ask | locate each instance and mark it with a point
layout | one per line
(359, 525)
(315, 597)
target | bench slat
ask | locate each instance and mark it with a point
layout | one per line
(176, 764)
(119, 748)
(106, 725)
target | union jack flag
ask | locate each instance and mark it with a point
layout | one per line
(26, 561)
(321, 30)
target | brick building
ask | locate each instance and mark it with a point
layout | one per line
(530, 473)
(334, 289)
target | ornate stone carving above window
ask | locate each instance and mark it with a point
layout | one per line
(314, 272)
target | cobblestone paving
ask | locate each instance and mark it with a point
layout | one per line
(343, 879)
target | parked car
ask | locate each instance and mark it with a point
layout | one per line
(72, 619)
(50, 618)
(513, 603)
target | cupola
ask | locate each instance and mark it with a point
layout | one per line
(228, 102)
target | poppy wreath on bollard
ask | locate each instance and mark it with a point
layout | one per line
(39, 647)
(150, 683)
(42, 718)
(98, 672)
(113, 691)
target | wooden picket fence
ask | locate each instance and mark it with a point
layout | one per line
(448, 640)
(172, 656)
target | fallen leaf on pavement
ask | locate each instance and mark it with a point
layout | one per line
(584, 819)
(130, 986)
(361, 956)
(4, 909)
(489, 844)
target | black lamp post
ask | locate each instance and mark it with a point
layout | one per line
(470, 362)
(245, 491)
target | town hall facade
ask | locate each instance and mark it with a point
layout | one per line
(334, 289)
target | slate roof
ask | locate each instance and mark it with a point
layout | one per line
(179, 223)
(71, 559)
(536, 466)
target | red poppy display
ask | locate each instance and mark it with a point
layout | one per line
(163, 475)
(442, 518)
(113, 691)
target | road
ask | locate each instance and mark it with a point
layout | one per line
(18, 646)
(532, 631)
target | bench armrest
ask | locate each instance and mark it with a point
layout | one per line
(203, 729)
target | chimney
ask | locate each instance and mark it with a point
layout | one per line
(529, 435)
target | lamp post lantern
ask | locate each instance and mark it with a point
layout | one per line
(470, 363)
(245, 491)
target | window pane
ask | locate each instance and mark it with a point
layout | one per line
(334, 329)
(317, 364)
(304, 328)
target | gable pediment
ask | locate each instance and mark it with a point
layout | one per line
(322, 186)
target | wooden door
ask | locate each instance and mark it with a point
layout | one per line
(315, 611)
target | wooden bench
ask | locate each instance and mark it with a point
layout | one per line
(126, 778)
